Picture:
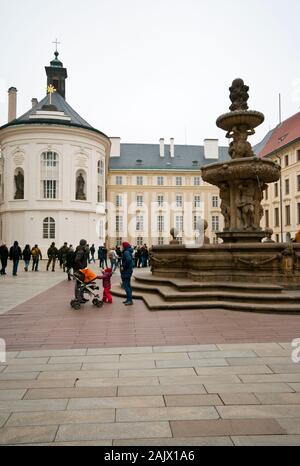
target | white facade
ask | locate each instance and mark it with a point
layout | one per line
(78, 151)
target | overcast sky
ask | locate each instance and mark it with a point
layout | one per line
(145, 69)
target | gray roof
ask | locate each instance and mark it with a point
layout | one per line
(62, 106)
(147, 157)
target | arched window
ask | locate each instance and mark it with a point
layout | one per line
(49, 228)
(49, 175)
(100, 183)
(19, 184)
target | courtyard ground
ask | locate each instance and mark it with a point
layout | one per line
(127, 376)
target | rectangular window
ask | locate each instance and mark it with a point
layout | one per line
(179, 223)
(178, 181)
(197, 202)
(160, 181)
(119, 223)
(267, 218)
(267, 194)
(286, 160)
(140, 241)
(276, 217)
(49, 189)
(160, 241)
(179, 201)
(160, 224)
(215, 202)
(276, 190)
(139, 201)
(119, 241)
(215, 223)
(277, 238)
(298, 182)
(139, 223)
(100, 194)
(139, 181)
(119, 200)
(197, 181)
(287, 187)
(119, 180)
(215, 240)
(197, 219)
(160, 200)
(287, 215)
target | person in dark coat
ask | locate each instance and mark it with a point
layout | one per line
(15, 254)
(4, 258)
(80, 263)
(26, 257)
(52, 256)
(92, 251)
(126, 272)
(36, 257)
(102, 256)
(70, 261)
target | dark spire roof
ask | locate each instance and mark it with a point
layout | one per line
(56, 62)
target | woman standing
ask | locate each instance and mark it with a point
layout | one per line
(26, 257)
(15, 254)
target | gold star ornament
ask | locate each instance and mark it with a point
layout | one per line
(51, 89)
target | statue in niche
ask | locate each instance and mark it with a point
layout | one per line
(246, 205)
(225, 204)
(80, 184)
(19, 182)
(239, 95)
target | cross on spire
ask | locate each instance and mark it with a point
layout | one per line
(56, 43)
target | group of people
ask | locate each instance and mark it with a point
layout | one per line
(15, 254)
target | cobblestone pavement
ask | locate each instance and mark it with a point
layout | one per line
(126, 376)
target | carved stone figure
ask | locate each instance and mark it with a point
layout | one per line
(240, 147)
(258, 197)
(239, 95)
(246, 206)
(174, 234)
(269, 239)
(80, 183)
(19, 181)
(225, 204)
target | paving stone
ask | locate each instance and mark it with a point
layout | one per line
(291, 426)
(116, 402)
(223, 354)
(270, 378)
(154, 357)
(239, 399)
(279, 352)
(119, 365)
(248, 346)
(161, 390)
(52, 353)
(287, 346)
(295, 386)
(42, 368)
(259, 412)
(248, 388)
(23, 435)
(118, 382)
(267, 440)
(285, 369)
(278, 398)
(192, 363)
(165, 414)
(184, 349)
(19, 384)
(18, 376)
(222, 427)
(180, 442)
(95, 443)
(12, 394)
(123, 430)
(203, 380)
(233, 370)
(27, 362)
(3, 418)
(157, 373)
(84, 359)
(132, 350)
(62, 417)
(192, 400)
(253, 361)
(32, 405)
(59, 393)
(78, 374)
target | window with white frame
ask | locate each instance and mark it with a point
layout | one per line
(160, 241)
(160, 223)
(139, 181)
(119, 200)
(197, 202)
(197, 220)
(139, 201)
(119, 241)
(139, 241)
(119, 223)
(215, 223)
(49, 228)
(49, 175)
(160, 200)
(119, 180)
(160, 181)
(197, 181)
(100, 188)
(179, 223)
(139, 223)
(178, 180)
(215, 202)
(179, 201)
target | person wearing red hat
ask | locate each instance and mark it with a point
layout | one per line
(127, 271)
(106, 277)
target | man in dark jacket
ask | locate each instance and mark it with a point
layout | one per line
(15, 254)
(126, 272)
(4, 258)
(102, 256)
(52, 255)
(80, 262)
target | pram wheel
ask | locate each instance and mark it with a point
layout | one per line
(97, 302)
(75, 305)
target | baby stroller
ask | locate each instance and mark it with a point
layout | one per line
(83, 288)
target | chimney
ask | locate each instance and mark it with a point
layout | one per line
(115, 147)
(211, 149)
(34, 102)
(162, 147)
(172, 148)
(12, 104)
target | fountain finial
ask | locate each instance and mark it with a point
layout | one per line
(239, 95)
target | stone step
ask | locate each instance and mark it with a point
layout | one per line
(156, 302)
(188, 285)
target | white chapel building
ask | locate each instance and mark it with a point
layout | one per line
(53, 167)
